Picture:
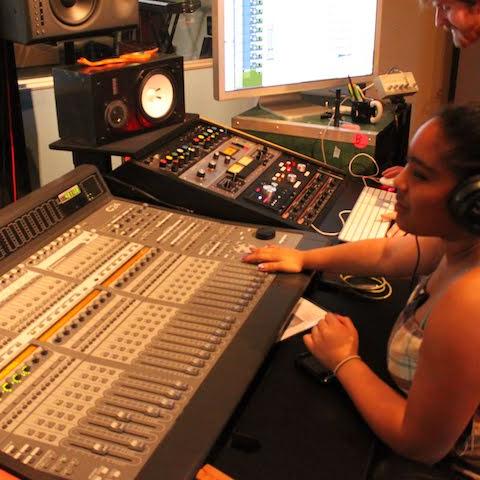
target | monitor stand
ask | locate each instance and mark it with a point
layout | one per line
(291, 106)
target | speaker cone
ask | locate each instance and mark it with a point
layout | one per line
(156, 96)
(73, 12)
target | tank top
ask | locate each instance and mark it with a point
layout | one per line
(402, 358)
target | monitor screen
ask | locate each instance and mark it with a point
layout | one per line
(265, 47)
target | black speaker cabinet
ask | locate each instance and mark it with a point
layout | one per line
(100, 105)
(30, 21)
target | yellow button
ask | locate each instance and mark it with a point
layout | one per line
(246, 161)
(230, 151)
(235, 168)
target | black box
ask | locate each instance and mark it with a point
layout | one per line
(98, 105)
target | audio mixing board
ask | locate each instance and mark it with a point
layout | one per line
(213, 170)
(128, 333)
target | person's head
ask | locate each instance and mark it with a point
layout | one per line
(443, 154)
(460, 17)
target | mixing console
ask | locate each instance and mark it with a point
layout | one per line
(217, 171)
(127, 332)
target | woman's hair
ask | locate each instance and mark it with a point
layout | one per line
(461, 128)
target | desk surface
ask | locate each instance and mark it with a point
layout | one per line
(304, 429)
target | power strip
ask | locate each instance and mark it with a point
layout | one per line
(392, 84)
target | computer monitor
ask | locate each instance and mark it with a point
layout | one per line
(263, 48)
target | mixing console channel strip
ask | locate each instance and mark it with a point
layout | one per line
(128, 333)
(212, 170)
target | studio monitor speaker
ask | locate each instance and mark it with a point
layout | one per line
(30, 21)
(102, 104)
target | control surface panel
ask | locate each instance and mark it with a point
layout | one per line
(111, 326)
(211, 169)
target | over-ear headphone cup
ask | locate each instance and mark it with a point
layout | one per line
(464, 204)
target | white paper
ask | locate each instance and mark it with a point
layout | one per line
(304, 316)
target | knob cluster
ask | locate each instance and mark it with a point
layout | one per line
(178, 158)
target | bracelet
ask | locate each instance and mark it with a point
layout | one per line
(343, 362)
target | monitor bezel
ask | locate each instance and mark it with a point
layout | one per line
(219, 64)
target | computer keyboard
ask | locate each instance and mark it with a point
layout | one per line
(365, 220)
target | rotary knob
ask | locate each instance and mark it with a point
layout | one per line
(201, 174)
(268, 191)
(291, 178)
(212, 164)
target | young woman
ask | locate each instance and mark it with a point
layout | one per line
(434, 348)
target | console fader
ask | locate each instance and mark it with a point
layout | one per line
(212, 170)
(128, 333)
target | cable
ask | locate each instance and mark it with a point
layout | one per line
(363, 177)
(322, 138)
(372, 288)
(10, 129)
(417, 263)
(332, 234)
(149, 196)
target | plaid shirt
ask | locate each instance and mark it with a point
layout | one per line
(402, 358)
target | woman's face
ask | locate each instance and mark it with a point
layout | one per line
(461, 19)
(424, 186)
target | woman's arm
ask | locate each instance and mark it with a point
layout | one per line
(446, 389)
(386, 256)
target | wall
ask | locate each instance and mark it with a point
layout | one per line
(410, 42)
(468, 79)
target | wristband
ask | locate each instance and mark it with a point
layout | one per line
(343, 362)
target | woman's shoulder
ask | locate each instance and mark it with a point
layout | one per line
(457, 310)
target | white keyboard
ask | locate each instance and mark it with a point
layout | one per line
(365, 220)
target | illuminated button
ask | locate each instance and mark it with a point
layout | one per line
(235, 168)
(230, 151)
(246, 160)
(301, 167)
(7, 387)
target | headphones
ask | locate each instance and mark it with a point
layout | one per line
(464, 204)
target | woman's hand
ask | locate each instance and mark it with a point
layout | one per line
(273, 258)
(332, 340)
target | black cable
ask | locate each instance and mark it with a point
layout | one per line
(145, 194)
(417, 264)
